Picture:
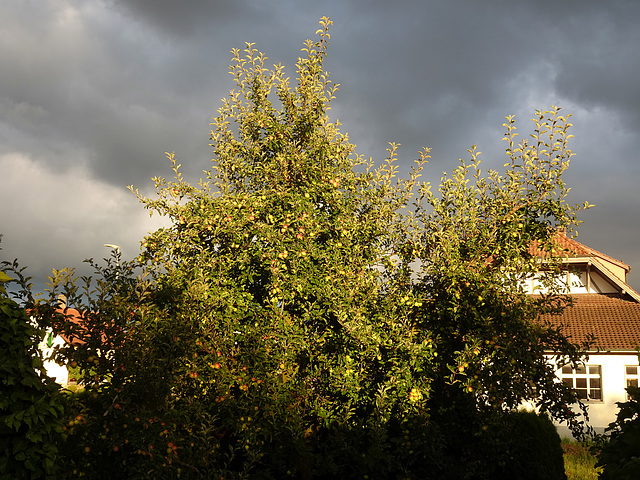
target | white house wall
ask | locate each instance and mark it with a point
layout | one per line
(534, 286)
(602, 413)
(57, 372)
(577, 281)
(600, 285)
(596, 284)
(618, 271)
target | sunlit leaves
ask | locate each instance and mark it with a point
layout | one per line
(306, 306)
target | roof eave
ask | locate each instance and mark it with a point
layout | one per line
(624, 288)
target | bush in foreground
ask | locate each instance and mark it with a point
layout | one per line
(31, 409)
(620, 456)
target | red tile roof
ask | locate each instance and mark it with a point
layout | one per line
(612, 319)
(79, 329)
(74, 317)
(568, 247)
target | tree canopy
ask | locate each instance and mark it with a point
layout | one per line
(310, 314)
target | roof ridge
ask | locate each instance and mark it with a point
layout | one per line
(566, 246)
(594, 252)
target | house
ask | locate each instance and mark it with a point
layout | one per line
(60, 373)
(605, 306)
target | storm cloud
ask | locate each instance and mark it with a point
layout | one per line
(93, 92)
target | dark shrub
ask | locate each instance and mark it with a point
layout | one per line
(521, 446)
(31, 411)
(620, 457)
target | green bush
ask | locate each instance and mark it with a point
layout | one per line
(521, 446)
(30, 406)
(620, 457)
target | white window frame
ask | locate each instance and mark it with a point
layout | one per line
(586, 381)
(631, 377)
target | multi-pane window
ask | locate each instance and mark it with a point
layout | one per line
(586, 381)
(631, 375)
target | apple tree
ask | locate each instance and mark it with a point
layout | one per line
(271, 332)
(481, 239)
(278, 327)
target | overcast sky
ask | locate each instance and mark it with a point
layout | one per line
(93, 92)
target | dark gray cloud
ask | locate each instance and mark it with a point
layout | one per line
(98, 90)
(188, 17)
